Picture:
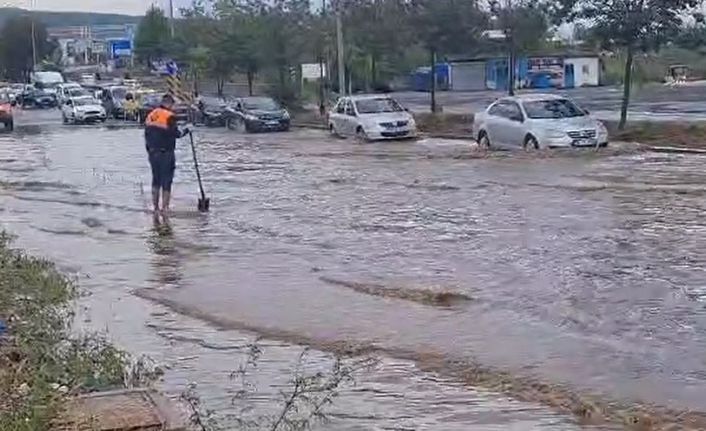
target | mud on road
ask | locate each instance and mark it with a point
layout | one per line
(580, 271)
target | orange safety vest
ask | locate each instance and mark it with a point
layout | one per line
(159, 118)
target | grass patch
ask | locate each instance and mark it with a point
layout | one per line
(40, 362)
(689, 135)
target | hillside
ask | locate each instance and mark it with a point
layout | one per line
(64, 19)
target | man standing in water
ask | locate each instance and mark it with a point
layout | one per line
(161, 133)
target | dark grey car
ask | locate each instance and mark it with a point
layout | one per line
(257, 114)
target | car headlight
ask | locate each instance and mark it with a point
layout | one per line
(251, 117)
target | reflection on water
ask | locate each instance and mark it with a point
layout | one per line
(581, 269)
(166, 261)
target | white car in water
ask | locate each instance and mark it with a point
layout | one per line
(71, 90)
(534, 121)
(82, 110)
(371, 117)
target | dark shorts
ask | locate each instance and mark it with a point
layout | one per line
(163, 165)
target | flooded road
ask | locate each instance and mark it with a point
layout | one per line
(581, 270)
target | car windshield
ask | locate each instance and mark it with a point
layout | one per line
(119, 93)
(555, 108)
(84, 102)
(375, 106)
(76, 92)
(261, 103)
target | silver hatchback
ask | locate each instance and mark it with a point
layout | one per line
(535, 121)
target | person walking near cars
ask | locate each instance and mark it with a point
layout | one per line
(161, 133)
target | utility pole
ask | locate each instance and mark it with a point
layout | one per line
(34, 40)
(171, 17)
(322, 75)
(339, 48)
(510, 36)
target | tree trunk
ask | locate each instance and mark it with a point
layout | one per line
(511, 72)
(374, 71)
(432, 84)
(220, 83)
(251, 78)
(627, 83)
(281, 72)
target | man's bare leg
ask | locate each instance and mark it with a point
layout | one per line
(166, 199)
(155, 198)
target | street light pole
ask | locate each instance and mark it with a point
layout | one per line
(339, 48)
(171, 17)
(34, 39)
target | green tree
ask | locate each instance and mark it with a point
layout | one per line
(245, 23)
(378, 31)
(286, 24)
(16, 56)
(631, 25)
(447, 27)
(525, 24)
(153, 40)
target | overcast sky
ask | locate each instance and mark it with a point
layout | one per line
(132, 7)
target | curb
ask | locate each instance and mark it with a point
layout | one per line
(309, 126)
(676, 150)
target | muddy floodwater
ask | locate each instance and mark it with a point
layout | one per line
(580, 270)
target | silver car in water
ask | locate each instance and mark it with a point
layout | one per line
(534, 121)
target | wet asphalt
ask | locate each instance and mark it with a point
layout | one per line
(584, 269)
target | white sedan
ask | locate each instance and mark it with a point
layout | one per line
(371, 117)
(535, 121)
(82, 110)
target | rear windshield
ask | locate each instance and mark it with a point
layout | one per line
(555, 108)
(374, 106)
(85, 102)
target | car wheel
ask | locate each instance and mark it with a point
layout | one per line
(530, 143)
(360, 135)
(483, 140)
(236, 123)
(332, 131)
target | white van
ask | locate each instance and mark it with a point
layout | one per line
(47, 81)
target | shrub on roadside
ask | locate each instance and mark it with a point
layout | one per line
(40, 361)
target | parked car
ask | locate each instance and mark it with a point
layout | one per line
(214, 111)
(535, 121)
(36, 98)
(6, 115)
(15, 92)
(371, 117)
(152, 101)
(113, 100)
(256, 114)
(66, 91)
(84, 109)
